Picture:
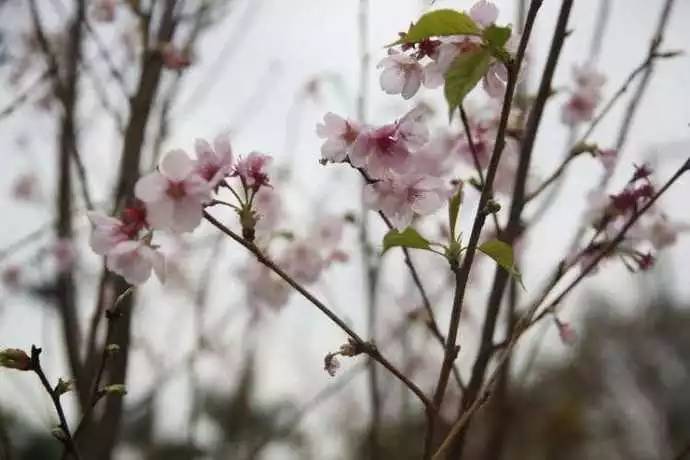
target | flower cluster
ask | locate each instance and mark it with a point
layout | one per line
(388, 156)
(303, 258)
(584, 97)
(172, 199)
(654, 231)
(427, 62)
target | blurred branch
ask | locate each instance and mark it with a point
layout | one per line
(66, 92)
(6, 449)
(371, 264)
(105, 431)
(23, 96)
(526, 320)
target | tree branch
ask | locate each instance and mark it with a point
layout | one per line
(364, 347)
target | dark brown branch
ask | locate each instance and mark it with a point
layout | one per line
(64, 435)
(475, 160)
(514, 227)
(462, 272)
(526, 321)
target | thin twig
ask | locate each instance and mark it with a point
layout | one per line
(526, 321)
(514, 227)
(364, 347)
(462, 273)
(475, 160)
(65, 435)
(23, 96)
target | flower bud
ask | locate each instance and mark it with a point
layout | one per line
(112, 349)
(64, 386)
(13, 358)
(59, 434)
(117, 389)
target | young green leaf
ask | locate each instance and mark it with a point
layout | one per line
(408, 238)
(464, 74)
(496, 37)
(502, 254)
(439, 23)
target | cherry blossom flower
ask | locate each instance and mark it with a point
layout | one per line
(214, 163)
(264, 288)
(268, 207)
(339, 133)
(11, 276)
(567, 334)
(388, 148)
(586, 77)
(64, 254)
(107, 233)
(174, 196)
(664, 232)
(134, 260)
(435, 158)
(402, 74)
(337, 255)
(449, 49)
(174, 58)
(26, 187)
(328, 232)
(252, 170)
(579, 108)
(484, 13)
(400, 197)
(585, 96)
(608, 158)
(303, 261)
(104, 10)
(495, 80)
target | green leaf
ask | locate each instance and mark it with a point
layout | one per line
(502, 254)
(464, 74)
(453, 210)
(408, 238)
(496, 37)
(439, 23)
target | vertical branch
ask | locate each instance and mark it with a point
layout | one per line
(6, 450)
(64, 433)
(102, 435)
(65, 87)
(370, 265)
(462, 272)
(514, 227)
(633, 106)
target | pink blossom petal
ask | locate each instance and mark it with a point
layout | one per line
(392, 80)
(187, 215)
(176, 165)
(484, 12)
(151, 187)
(160, 214)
